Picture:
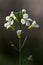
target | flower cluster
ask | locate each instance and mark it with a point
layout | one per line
(9, 20)
(23, 20)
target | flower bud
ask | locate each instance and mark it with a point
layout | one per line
(19, 33)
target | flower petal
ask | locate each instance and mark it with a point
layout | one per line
(25, 16)
(7, 18)
(8, 26)
(23, 10)
(29, 19)
(19, 31)
(27, 23)
(12, 22)
(22, 21)
(11, 14)
(34, 24)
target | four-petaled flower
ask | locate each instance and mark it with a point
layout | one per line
(26, 20)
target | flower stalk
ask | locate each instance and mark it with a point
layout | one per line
(20, 52)
(24, 42)
(19, 36)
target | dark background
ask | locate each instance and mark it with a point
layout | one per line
(34, 43)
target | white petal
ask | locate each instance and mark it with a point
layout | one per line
(19, 31)
(7, 18)
(29, 19)
(5, 24)
(34, 22)
(9, 21)
(12, 22)
(11, 14)
(27, 23)
(36, 26)
(8, 26)
(22, 21)
(25, 16)
(23, 10)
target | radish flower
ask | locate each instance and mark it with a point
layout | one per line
(11, 15)
(9, 23)
(33, 25)
(26, 20)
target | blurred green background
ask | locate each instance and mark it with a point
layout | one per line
(34, 44)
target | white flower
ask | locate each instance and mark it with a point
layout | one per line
(11, 15)
(25, 16)
(27, 22)
(33, 25)
(23, 21)
(23, 10)
(9, 20)
(8, 24)
(19, 33)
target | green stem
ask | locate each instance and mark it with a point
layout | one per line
(12, 28)
(18, 23)
(19, 51)
(24, 42)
